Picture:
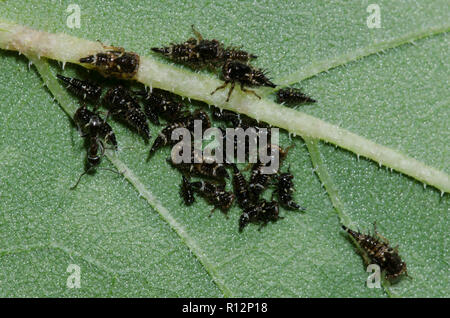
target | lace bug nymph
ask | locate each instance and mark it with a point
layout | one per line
(241, 189)
(291, 96)
(237, 72)
(377, 249)
(83, 89)
(90, 123)
(114, 62)
(284, 189)
(199, 53)
(187, 192)
(159, 103)
(214, 194)
(258, 180)
(123, 105)
(98, 131)
(261, 213)
(212, 170)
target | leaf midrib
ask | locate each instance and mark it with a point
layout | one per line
(196, 86)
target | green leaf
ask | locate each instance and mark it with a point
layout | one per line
(134, 237)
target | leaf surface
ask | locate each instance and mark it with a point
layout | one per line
(120, 241)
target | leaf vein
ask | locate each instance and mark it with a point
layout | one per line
(318, 67)
(58, 93)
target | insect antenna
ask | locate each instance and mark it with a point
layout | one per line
(197, 34)
(90, 169)
(79, 178)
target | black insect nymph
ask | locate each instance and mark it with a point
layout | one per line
(237, 72)
(379, 252)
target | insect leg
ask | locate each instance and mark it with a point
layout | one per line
(381, 237)
(197, 34)
(249, 91)
(112, 48)
(230, 91)
(212, 211)
(220, 87)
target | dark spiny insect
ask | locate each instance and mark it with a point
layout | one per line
(236, 119)
(93, 157)
(91, 124)
(215, 171)
(248, 122)
(212, 52)
(198, 115)
(269, 212)
(95, 153)
(226, 116)
(292, 96)
(214, 194)
(119, 100)
(181, 53)
(237, 72)
(201, 167)
(261, 213)
(121, 104)
(83, 89)
(187, 192)
(199, 53)
(259, 180)
(284, 189)
(211, 170)
(164, 136)
(379, 252)
(114, 62)
(237, 55)
(241, 189)
(188, 122)
(98, 131)
(159, 103)
(208, 52)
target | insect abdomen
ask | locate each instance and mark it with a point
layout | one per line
(83, 89)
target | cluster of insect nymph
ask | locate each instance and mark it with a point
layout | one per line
(211, 177)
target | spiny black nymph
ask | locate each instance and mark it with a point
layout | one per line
(199, 53)
(122, 104)
(125, 104)
(214, 194)
(292, 96)
(114, 62)
(83, 89)
(92, 126)
(379, 252)
(237, 72)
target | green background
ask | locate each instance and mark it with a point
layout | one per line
(398, 98)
